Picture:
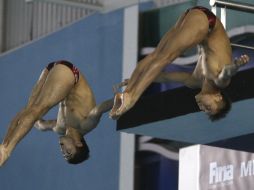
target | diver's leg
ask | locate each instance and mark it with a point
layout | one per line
(191, 31)
(57, 86)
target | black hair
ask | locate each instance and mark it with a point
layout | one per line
(81, 155)
(224, 111)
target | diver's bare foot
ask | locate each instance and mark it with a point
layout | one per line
(121, 105)
(3, 155)
(118, 100)
(125, 104)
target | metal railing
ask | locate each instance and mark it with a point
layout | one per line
(239, 6)
(233, 5)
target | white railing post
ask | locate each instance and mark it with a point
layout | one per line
(130, 49)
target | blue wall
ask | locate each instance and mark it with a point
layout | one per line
(94, 45)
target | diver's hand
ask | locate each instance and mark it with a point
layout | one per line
(241, 61)
(231, 69)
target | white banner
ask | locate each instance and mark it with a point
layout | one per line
(204, 167)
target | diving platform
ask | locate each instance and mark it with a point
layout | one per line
(174, 114)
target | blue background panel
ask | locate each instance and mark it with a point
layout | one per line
(94, 45)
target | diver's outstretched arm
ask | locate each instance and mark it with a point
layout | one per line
(95, 115)
(229, 70)
(185, 78)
